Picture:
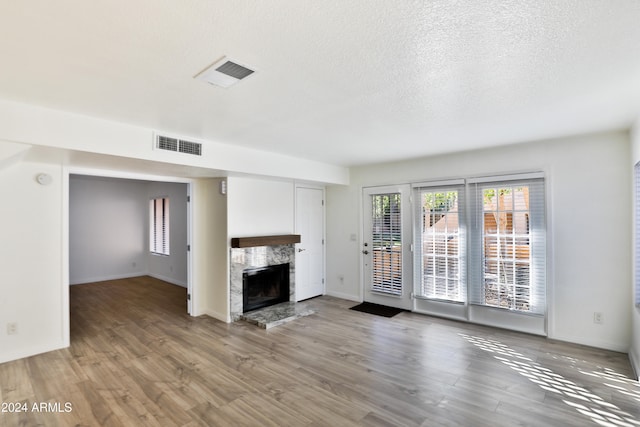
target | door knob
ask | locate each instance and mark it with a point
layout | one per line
(301, 249)
(365, 252)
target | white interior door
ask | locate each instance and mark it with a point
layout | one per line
(310, 251)
(386, 246)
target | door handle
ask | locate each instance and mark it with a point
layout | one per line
(301, 249)
(365, 252)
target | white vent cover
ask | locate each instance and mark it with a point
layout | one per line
(178, 145)
(224, 73)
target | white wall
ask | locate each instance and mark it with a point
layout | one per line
(634, 351)
(11, 153)
(589, 218)
(108, 221)
(259, 207)
(210, 250)
(31, 267)
(171, 268)
(69, 131)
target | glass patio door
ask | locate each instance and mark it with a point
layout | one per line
(386, 246)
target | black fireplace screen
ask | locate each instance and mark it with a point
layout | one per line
(265, 286)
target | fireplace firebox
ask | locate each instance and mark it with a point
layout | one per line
(265, 286)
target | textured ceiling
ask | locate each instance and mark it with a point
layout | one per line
(341, 81)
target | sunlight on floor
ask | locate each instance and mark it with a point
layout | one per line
(574, 395)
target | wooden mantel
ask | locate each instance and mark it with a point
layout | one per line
(248, 242)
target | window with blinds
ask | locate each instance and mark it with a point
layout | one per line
(507, 245)
(159, 226)
(440, 243)
(386, 243)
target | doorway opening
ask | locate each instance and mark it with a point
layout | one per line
(111, 226)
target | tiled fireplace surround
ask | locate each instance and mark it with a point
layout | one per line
(254, 257)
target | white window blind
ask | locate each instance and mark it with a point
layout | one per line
(507, 249)
(386, 242)
(440, 248)
(159, 226)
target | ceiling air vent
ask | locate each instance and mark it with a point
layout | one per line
(177, 145)
(224, 73)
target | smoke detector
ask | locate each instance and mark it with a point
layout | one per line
(224, 73)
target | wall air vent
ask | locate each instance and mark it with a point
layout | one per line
(166, 143)
(190, 147)
(224, 73)
(177, 145)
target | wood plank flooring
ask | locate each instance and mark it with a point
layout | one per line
(136, 358)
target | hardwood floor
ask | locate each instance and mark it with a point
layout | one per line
(137, 358)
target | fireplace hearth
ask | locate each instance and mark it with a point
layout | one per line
(264, 286)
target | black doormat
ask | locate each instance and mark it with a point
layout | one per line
(380, 310)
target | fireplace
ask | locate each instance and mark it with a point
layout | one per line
(265, 286)
(248, 253)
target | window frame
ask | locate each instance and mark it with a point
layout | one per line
(419, 274)
(159, 226)
(536, 241)
(532, 321)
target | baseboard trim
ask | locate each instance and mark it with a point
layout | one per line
(32, 351)
(212, 313)
(635, 364)
(108, 277)
(590, 343)
(340, 295)
(129, 276)
(168, 279)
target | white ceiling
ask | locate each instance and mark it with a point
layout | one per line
(340, 81)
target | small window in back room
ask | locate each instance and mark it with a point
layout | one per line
(159, 226)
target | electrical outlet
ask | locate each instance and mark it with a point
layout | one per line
(12, 328)
(598, 318)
